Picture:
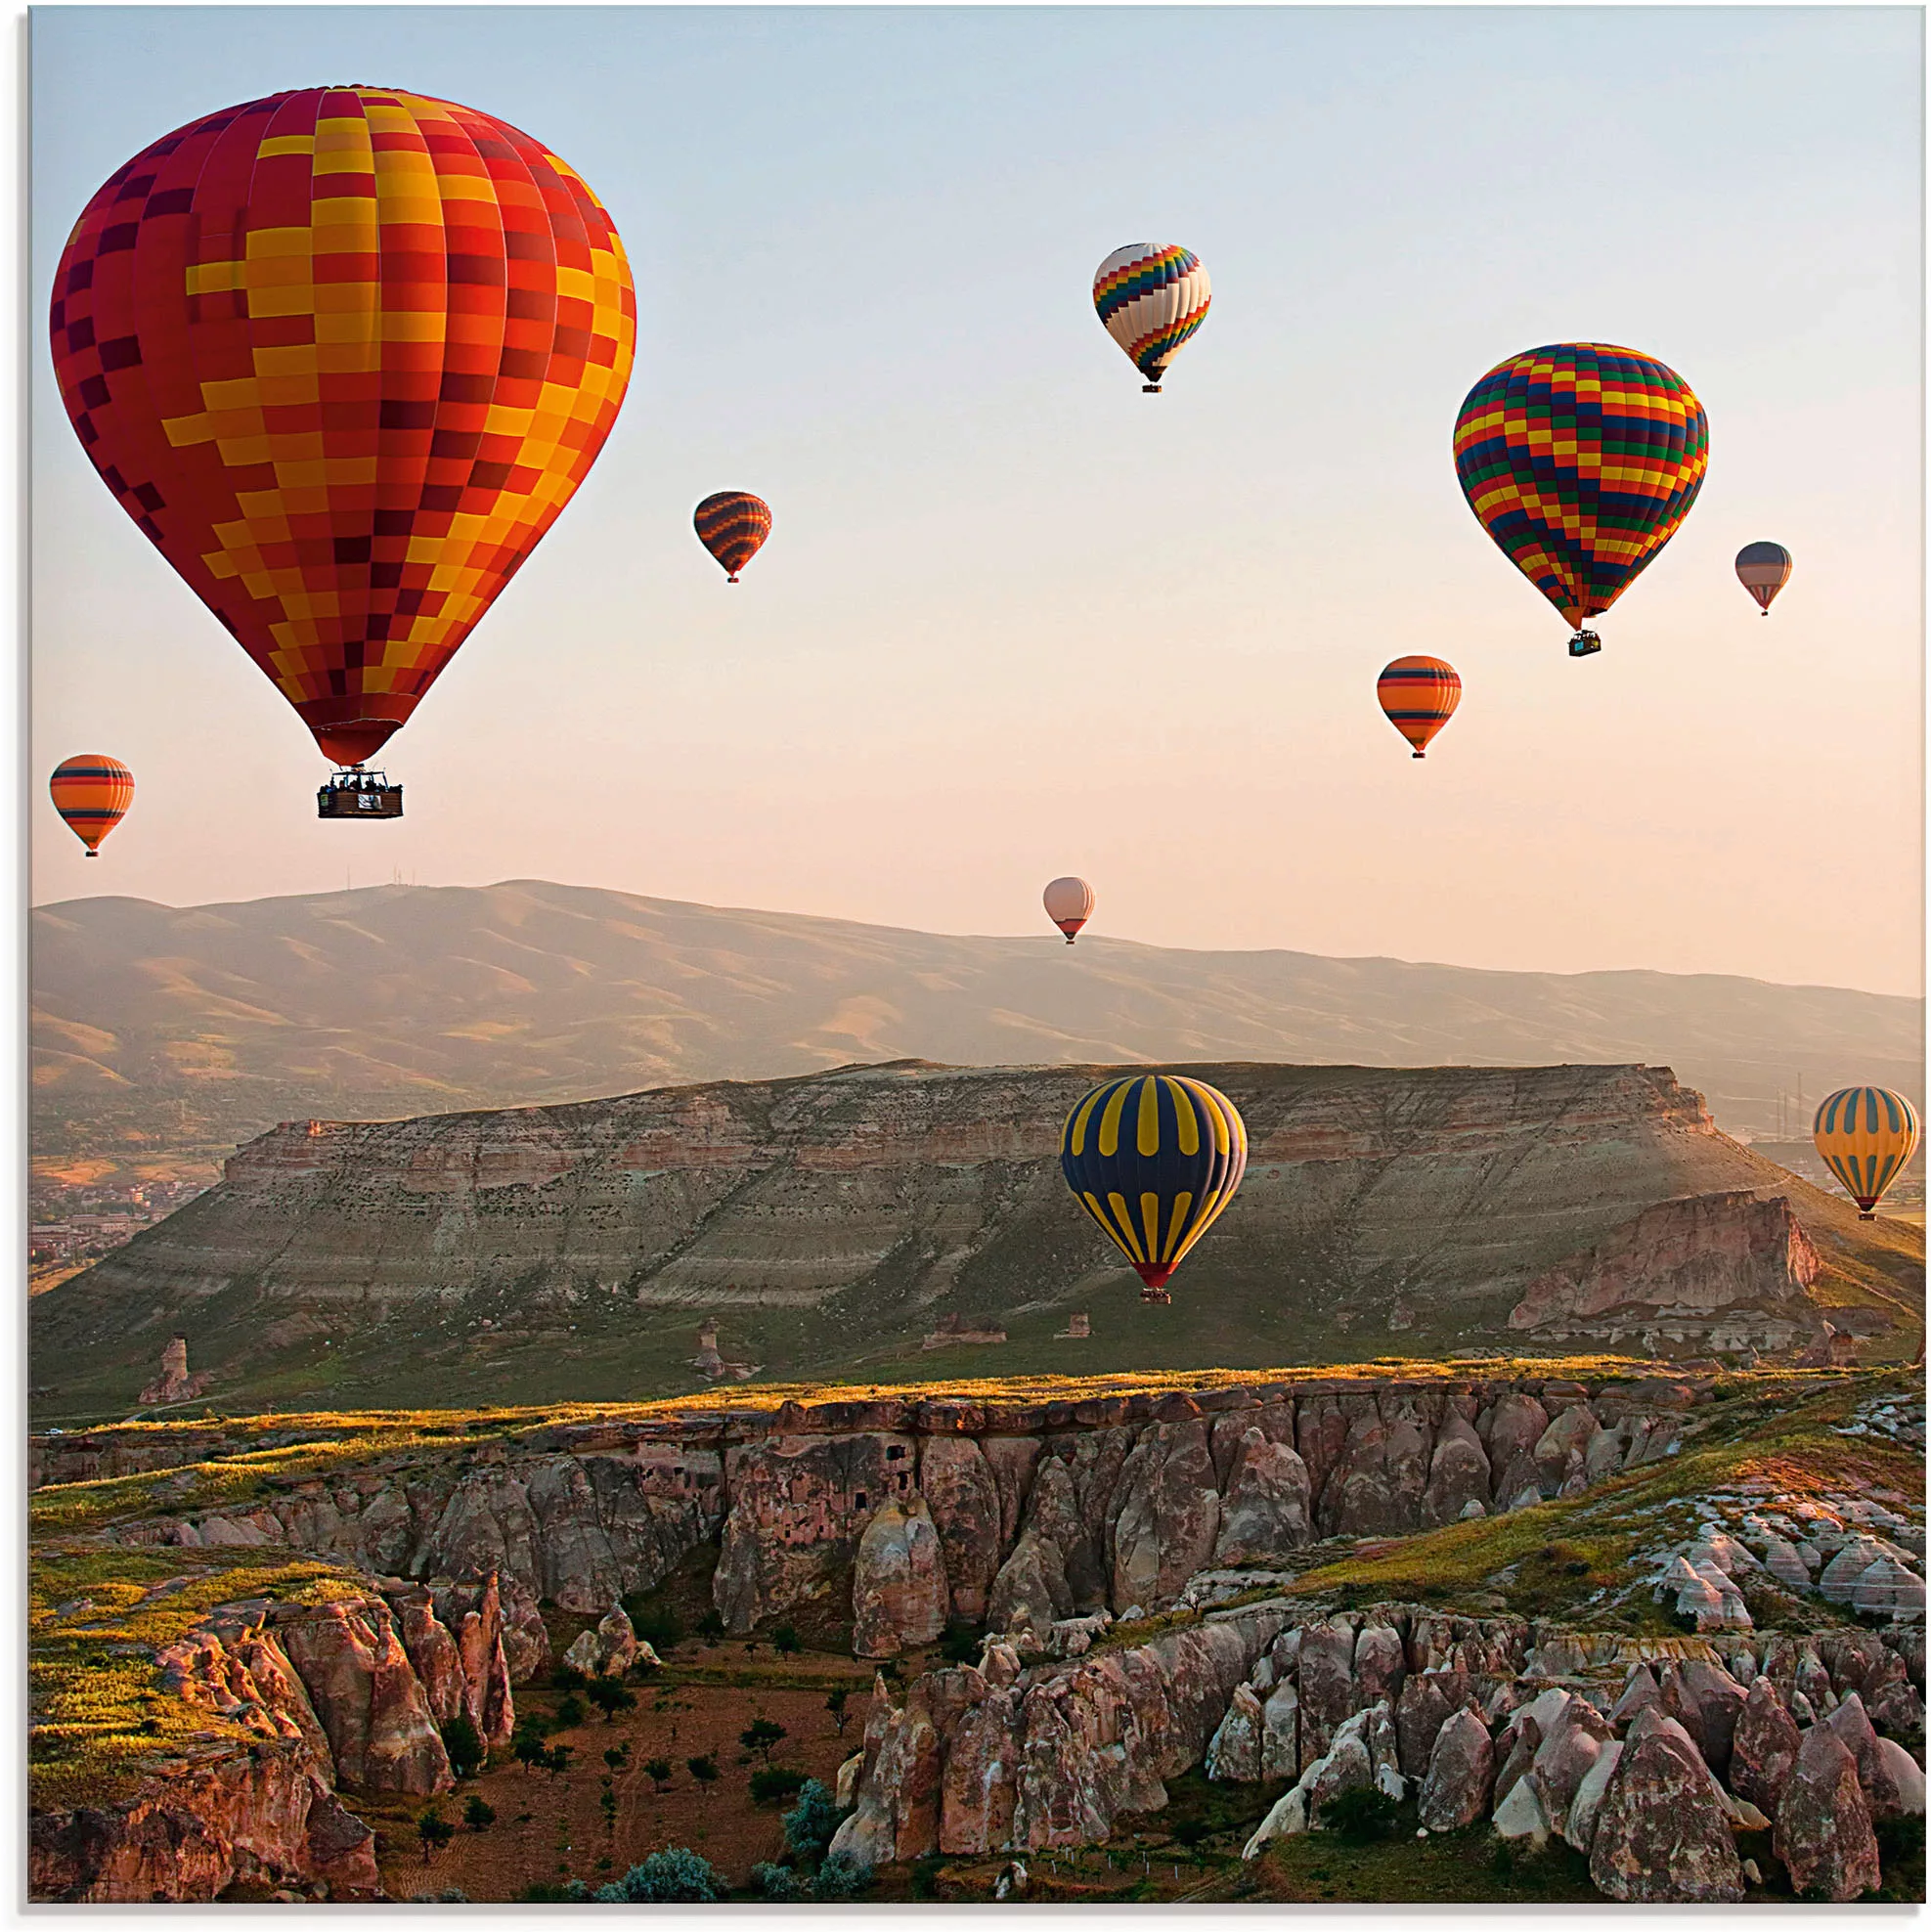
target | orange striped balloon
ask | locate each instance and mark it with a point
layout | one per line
(1419, 695)
(92, 793)
(1865, 1136)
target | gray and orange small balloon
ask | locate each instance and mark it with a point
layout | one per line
(1763, 569)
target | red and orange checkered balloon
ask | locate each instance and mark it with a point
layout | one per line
(344, 355)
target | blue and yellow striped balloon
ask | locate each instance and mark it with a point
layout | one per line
(1867, 1136)
(1154, 1159)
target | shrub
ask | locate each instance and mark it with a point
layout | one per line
(569, 1712)
(658, 1771)
(776, 1883)
(567, 1677)
(1359, 1817)
(1901, 1857)
(575, 1893)
(711, 1626)
(808, 1826)
(557, 1759)
(704, 1770)
(775, 1781)
(835, 1703)
(760, 1734)
(960, 1643)
(618, 1756)
(610, 1697)
(467, 1753)
(655, 1624)
(479, 1814)
(841, 1877)
(673, 1876)
(785, 1641)
(1190, 1831)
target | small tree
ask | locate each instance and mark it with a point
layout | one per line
(478, 1814)
(610, 1697)
(529, 1747)
(467, 1753)
(435, 1831)
(785, 1641)
(760, 1734)
(673, 1876)
(703, 1770)
(569, 1712)
(617, 1757)
(842, 1877)
(658, 1771)
(557, 1759)
(711, 1626)
(810, 1824)
(835, 1703)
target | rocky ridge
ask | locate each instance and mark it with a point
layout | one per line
(1647, 1755)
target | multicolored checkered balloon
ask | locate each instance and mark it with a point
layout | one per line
(343, 355)
(1580, 460)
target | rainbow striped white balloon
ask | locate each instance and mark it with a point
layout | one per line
(1151, 299)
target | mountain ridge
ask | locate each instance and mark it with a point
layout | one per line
(177, 1032)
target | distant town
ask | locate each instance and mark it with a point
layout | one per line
(72, 1224)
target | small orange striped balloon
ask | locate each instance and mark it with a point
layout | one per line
(92, 793)
(1419, 695)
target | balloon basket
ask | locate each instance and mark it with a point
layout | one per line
(357, 793)
(1150, 388)
(1585, 643)
(1156, 1297)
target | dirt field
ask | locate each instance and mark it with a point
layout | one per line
(550, 1830)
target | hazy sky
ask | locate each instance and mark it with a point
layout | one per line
(1017, 619)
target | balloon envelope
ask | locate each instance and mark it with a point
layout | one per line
(1865, 1136)
(1581, 460)
(733, 526)
(1154, 1159)
(1069, 905)
(1763, 569)
(1151, 301)
(343, 355)
(1419, 694)
(92, 793)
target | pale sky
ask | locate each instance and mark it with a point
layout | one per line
(1017, 619)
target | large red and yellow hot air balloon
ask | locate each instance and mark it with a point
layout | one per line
(1419, 694)
(343, 355)
(1154, 1159)
(1865, 1136)
(1581, 460)
(733, 526)
(92, 793)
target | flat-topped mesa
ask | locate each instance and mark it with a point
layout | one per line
(1426, 1198)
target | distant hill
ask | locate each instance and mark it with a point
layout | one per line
(165, 1036)
(830, 1222)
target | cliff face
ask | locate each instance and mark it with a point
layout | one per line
(1023, 1512)
(1388, 1199)
(1724, 1269)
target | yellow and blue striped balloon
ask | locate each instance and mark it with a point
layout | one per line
(1155, 1159)
(1867, 1136)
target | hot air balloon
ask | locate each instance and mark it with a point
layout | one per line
(1763, 569)
(1867, 1136)
(1154, 1159)
(1069, 905)
(92, 793)
(1419, 695)
(733, 526)
(343, 355)
(1151, 301)
(1580, 460)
